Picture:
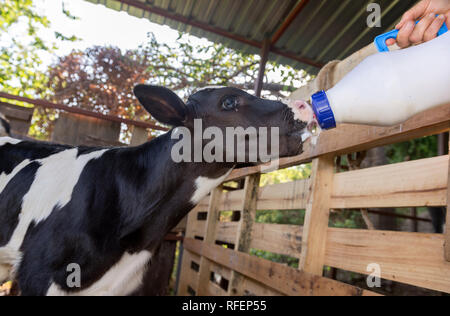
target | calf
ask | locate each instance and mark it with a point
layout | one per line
(107, 210)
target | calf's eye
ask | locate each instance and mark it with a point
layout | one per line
(229, 103)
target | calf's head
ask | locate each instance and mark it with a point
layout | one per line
(258, 125)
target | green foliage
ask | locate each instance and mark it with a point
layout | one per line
(346, 219)
(424, 147)
(286, 175)
(185, 67)
(21, 65)
(290, 217)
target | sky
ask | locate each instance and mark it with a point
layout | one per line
(113, 28)
(98, 25)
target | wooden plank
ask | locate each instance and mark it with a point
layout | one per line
(277, 238)
(412, 258)
(221, 270)
(447, 223)
(75, 129)
(212, 289)
(281, 278)
(140, 136)
(317, 216)
(209, 238)
(408, 184)
(244, 229)
(253, 288)
(195, 227)
(413, 183)
(188, 276)
(281, 196)
(349, 138)
(19, 117)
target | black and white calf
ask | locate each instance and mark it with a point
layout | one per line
(108, 209)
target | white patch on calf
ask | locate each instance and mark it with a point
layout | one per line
(53, 186)
(5, 273)
(122, 279)
(203, 187)
(302, 111)
(9, 140)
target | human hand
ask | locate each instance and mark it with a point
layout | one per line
(429, 25)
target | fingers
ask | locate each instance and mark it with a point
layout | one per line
(404, 34)
(414, 13)
(423, 26)
(433, 29)
(425, 30)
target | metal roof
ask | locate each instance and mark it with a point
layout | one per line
(313, 32)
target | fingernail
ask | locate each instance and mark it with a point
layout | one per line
(431, 15)
(409, 25)
(441, 17)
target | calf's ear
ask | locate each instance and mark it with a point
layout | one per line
(164, 105)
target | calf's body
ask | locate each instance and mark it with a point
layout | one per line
(80, 205)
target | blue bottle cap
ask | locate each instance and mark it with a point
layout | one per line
(322, 109)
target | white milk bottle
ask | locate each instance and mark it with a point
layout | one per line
(388, 88)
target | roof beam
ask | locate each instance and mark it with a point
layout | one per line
(290, 18)
(218, 31)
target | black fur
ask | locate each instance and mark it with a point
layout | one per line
(11, 200)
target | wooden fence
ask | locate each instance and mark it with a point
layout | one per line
(419, 259)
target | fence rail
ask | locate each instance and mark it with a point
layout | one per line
(217, 259)
(75, 110)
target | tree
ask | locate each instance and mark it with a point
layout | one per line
(101, 79)
(21, 48)
(21, 70)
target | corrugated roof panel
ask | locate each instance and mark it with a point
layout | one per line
(323, 31)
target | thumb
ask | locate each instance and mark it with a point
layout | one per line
(390, 42)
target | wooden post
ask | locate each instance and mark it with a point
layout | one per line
(447, 224)
(244, 230)
(209, 238)
(262, 67)
(317, 215)
(140, 136)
